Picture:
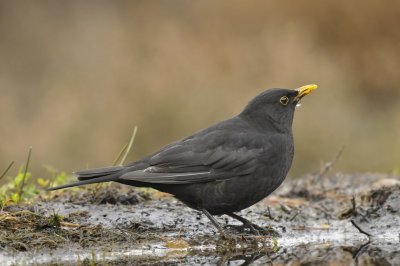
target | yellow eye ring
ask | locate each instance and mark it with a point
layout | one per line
(284, 100)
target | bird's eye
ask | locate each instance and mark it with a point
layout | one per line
(284, 100)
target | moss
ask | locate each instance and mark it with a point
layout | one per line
(24, 230)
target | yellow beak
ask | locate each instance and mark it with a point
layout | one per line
(304, 90)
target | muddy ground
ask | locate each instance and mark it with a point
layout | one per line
(319, 220)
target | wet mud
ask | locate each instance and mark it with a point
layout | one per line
(318, 220)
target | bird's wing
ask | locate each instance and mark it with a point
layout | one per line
(210, 156)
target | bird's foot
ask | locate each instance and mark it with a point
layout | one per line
(255, 229)
(267, 231)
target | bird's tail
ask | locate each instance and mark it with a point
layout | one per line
(92, 176)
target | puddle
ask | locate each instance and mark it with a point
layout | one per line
(351, 220)
(326, 250)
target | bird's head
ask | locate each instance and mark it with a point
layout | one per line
(275, 107)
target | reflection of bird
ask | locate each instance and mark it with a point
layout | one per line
(224, 168)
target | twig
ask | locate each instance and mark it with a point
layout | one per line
(328, 166)
(353, 206)
(7, 169)
(70, 225)
(360, 251)
(294, 216)
(359, 229)
(129, 146)
(21, 190)
(269, 214)
(285, 208)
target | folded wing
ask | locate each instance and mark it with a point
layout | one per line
(197, 159)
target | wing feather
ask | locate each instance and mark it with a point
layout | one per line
(167, 178)
(216, 154)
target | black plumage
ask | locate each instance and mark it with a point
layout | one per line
(224, 168)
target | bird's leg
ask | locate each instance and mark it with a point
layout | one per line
(216, 224)
(246, 223)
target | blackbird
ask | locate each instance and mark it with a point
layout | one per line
(224, 168)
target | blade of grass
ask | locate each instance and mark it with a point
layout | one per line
(21, 190)
(7, 169)
(115, 162)
(129, 146)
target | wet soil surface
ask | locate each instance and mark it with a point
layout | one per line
(318, 220)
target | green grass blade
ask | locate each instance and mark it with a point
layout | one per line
(21, 190)
(7, 169)
(115, 162)
(129, 146)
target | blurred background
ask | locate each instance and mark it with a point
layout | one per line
(77, 76)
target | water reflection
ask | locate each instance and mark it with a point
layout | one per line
(321, 254)
(369, 254)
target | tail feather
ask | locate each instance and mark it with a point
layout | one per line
(99, 175)
(101, 179)
(98, 172)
